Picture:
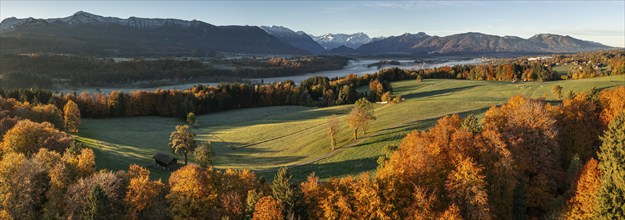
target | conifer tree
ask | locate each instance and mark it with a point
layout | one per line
(611, 197)
(98, 205)
(281, 188)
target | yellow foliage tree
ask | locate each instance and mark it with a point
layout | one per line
(360, 116)
(144, 198)
(71, 116)
(333, 130)
(27, 137)
(466, 187)
(191, 195)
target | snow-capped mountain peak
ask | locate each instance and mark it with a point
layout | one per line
(331, 41)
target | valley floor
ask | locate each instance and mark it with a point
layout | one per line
(264, 139)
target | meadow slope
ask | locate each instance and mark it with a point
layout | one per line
(263, 139)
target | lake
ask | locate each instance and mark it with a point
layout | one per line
(358, 67)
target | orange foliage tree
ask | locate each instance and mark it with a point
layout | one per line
(529, 131)
(582, 204)
(191, 194)
(268, 208)
(613, 103)
(144, 198)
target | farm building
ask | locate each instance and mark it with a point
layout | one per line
(165, 161)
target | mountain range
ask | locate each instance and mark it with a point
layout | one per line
(85, 33)
(88, 34)
(331, 41)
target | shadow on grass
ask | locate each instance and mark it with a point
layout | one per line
(327, 170)
(437, 92)
(357, 166)
(279, 117)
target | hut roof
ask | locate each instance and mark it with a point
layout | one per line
(164, 158)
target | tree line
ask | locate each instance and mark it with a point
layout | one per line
(201, 99)
(314, 91)
(44, 71)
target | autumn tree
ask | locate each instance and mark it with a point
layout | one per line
(190, 193)
(557, 91)
(72, 116)
(584, 200)
(204, 154)
(347, 94)
(191, 118)
(25, 193)
(466, 187)
(268, 208)
(82, 199)
(612, 103)
(313, 194)
(333, 130)
(451, 213)
(27, 137)
(579, 127)
(181, 141)
(530, 134)
(145, 199)
(360, 116)
(611, 195)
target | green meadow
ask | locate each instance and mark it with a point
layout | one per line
(264, 139)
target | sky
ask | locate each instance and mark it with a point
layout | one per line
(599, 21)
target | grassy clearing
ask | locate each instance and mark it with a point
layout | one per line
(264, 139)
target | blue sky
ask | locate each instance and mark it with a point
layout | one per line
(601, 21)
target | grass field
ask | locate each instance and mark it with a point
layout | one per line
(263, 139)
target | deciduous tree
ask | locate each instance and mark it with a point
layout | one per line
(27, 137)
(557, 91)
(584, 200)
(466, 187)
(71, 115)
(360, 116)
(145, 199)
(191, 118)
(190, 193)
(181, 141)
(268, 208)
(204, 154)
(333, 130)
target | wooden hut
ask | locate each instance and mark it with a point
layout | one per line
(165, 161)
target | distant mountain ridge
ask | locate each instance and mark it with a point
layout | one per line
(85, 33)
(331, 41)
(88, 34)
(298, 39)
(473, 42)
